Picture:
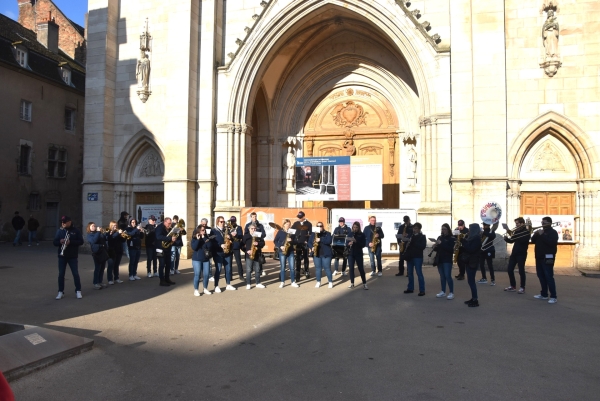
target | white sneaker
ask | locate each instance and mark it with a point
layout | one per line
(211, 279)
(295, 285)
(111, 282)
(177, 271)
(149, 275)
(493, 283)
(60, 295)
(155, 275)
(344, 273)
(260, 286)
(317, 285)
(196, 293)
(540, 296)
(78, 295)
(207, 292)
(137, 277)
(131, 278)
(281, 285)
(440, 294)
(248, 286)
(172, 272)
(552, 300)
(330, 285)
(372, 273)
(365, 287)
(379, 274)
(119, 281)
(263, 274)
(217, 290)
(335, 272)
(450, 296)
(230, 288)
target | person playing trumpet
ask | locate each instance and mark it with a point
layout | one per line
(520, 238)
(115, 243)
(201, 245)
(135, 248)
(281, 239)
(68, 239)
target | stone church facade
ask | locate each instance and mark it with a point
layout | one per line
(194, 104)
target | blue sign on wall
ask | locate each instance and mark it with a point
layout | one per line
(93, 196)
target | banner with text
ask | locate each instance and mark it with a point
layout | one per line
(339, 178)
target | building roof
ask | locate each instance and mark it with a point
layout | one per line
(41, 61)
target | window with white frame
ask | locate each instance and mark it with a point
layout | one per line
(25, 111)
(21, 54)
(57, 162)
(24, 162)
(70, 119)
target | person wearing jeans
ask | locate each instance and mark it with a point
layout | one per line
(256, 242)
(18, 223)
(115, 250)
(68, 252)
(149, 239)
(372, 232)
(135, 248)
(322, 259)
(546, 241)
(413, 254)
(520, 238)
(471, 247)
(356, 243)
(444, 246)
(280, 240)
(201, 245)
(32, 227)
(98, 245)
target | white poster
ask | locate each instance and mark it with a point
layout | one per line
(144, 211)
(565, 225)
(390, 220)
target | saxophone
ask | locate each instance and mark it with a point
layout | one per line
(402, 242)
(457, 246)
(226, 238)
(376, 240)
(254, 249)
(316, 245)
(176, 231)
(288, 244)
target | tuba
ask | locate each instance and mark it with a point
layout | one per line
(376, 240)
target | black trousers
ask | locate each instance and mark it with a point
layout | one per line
(238, 261)
(301, 255)
(401, 265)
(489, 260)
(461, 267)
(516, 260)
(164, 264)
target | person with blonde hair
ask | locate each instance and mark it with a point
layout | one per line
(280, 241)
(322, 257)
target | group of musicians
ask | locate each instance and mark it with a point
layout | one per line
(471, 248)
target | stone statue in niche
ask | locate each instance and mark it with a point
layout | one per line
(412, 158)
(150, 167)
(142, 71)
(289, 168)
(550, 35)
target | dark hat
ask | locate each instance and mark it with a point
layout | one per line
(406, 218)
(124, 214)
(65, 219)
(342, 219)
(461, 222)
(233, 218)
(152, 217)
(300, 214)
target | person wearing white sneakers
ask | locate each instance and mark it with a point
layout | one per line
(282, 238)
(68, 239)
(356, 243)
(201, 245)
(114, 242)
(97, 242)
(222, 260)
(518, 256)
(321, 239)
(444, 246)
(253, 240)
(339, 243)
(372, 231)
(546, 241)
(135, 248)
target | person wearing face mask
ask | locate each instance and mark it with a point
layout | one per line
(356, 243)
(462, 229)
(371, 232)
(413, 254)
(321, 258)
(471, 251)
(487, 255)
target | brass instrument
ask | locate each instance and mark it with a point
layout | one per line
(254, 249)
(125, 235)
(106, 230)
(176, 231)
(457, 246)
(402, 242)
(227, 238)
(288, 244)
(527, 232)
(66, 239)
(407, 245)
(316, 245)
(375, 241)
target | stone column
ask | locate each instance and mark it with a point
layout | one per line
(588, 254)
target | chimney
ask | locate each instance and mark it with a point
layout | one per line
(47, 33)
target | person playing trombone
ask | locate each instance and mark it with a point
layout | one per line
(520, 238)
(488, 252)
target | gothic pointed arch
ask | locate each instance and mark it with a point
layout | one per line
(562, 129)
(138, 146)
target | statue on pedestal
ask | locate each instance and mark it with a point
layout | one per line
(289, 170)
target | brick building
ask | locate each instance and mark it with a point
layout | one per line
(41, 123)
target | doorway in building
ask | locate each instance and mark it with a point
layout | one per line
(51, 220)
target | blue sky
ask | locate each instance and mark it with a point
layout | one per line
(74, 9)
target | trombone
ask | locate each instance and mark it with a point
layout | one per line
(510, 233)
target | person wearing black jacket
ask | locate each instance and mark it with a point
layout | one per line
(444, 246)
(249, 241)
(471, 251)
(68, 254)
(487, 255)
(546, 241)
(413, 254)
(518, 256)
(115, 252)
(259, 228)
(122, 223)
(356, 243)
(201, 245)
(462, 229)
(18, 223)
(222, 260)
(403, 235)
(32, 227)
(371, 232)
(303, 229)
(341, 230)
(237, 236)
(98, 247)
(281, 239)
(164, 262)
(321, 259)
(135, 248)
(149, 239)
(207, 229)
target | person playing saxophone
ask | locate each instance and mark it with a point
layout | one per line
(320, 244)
(253, 249)
(373, 236)
(405, 231)
(462, 229)
(236, 236)
(222, 260)
(284, 244)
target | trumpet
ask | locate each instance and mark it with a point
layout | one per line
(125, 235)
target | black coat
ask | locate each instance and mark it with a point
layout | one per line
(75, 241)
(520, 244)
(369, 231)
(238, 238)
(414, 249)
(248, 240)
(150, 235)
(356, 250)
(281, 239)
(161, 235)
(490, 252)
(325, 247)
(18, 223)
(545, 243)
(115, 244)
(136, 238)
(445, 249)
(199, 246)
(97, 241)
(409, 231)
(302, 236)
(219, 240)
(259, 227)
